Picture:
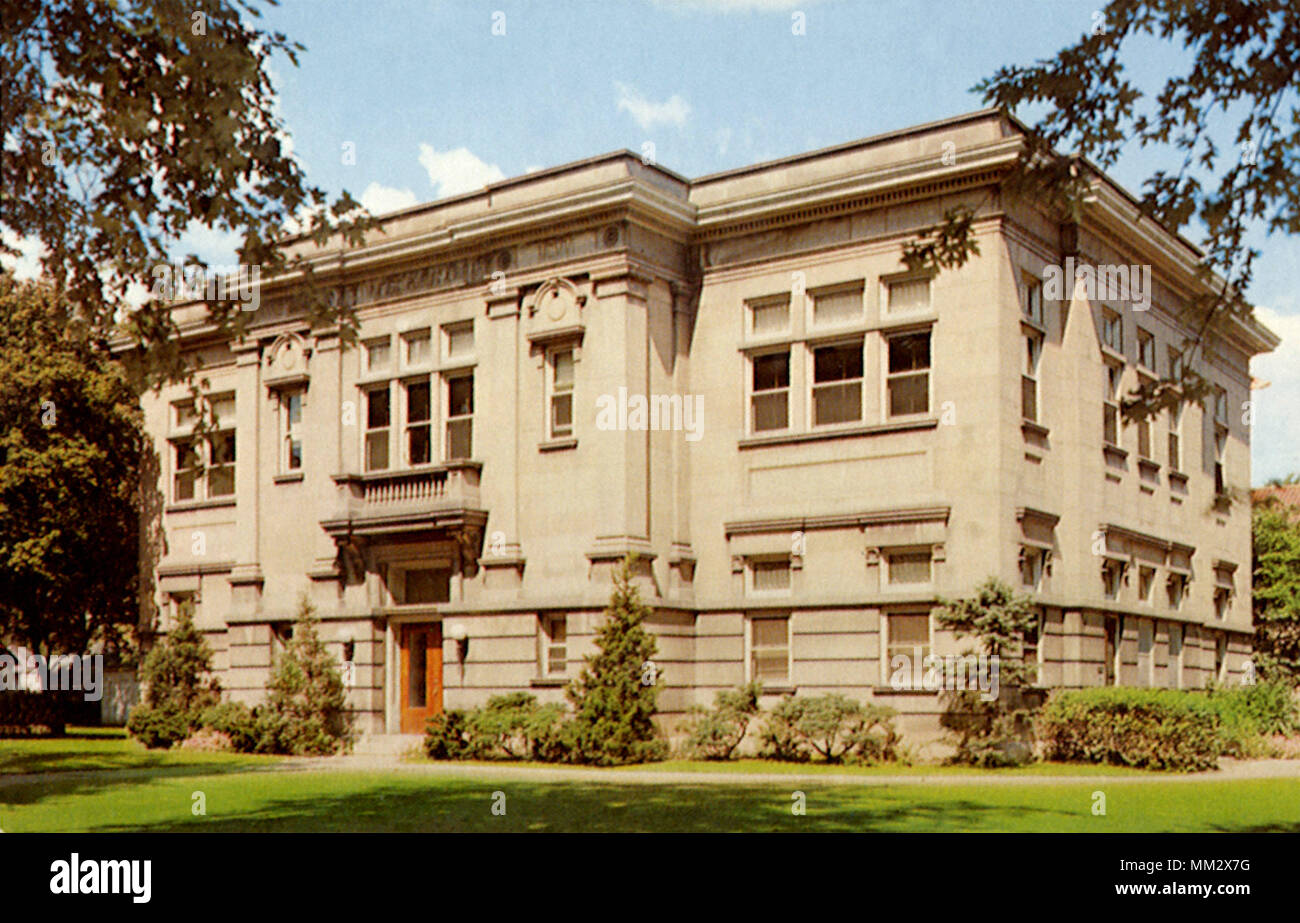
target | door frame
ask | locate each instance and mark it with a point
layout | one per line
(393, 624)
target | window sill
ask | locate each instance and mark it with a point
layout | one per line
(558, 445)
(751, 442)
(1112, 450)
(1111, 352)
(290, 477)
(1029, 427)
(186, 505)
(1147, 466)
(548, 682)
(780, 689)
(1178, 479)
(1033, 324)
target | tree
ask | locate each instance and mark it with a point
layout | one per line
(1275, 582)
(1233, 121)
(614, 696)
(178, 685)
(993, 732)
(71, 449)
(306, 706)
(126, 124)
(714, 734)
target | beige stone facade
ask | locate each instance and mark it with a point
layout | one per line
(735, 378)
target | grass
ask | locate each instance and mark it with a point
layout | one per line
(335, 801)
(774, 767)
(106, 748)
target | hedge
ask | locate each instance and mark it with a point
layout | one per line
(1147, 728)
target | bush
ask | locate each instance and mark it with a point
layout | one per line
(1147, 728)
(510, 726)
(832, 726)
(714, 734)
(444, 736)
(157, 728)
(1247, 713)
(235, 720)
(306, 707)
(22, 711)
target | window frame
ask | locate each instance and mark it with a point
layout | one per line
(888, 644)
(1146, 348)
(367, 431)
(555, 391)
(1031, 299)
(753, 563)
(752, 649)
(409, 426)
(889, 377)
(1112, 322)
(449, 419)
(1110, 404)
(814, 386)
(547, 644)
(1029, 375)
(751, 393)
(289, 432)
(204, 448)
(887, 558)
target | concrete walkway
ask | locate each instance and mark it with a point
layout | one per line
(1230, 770)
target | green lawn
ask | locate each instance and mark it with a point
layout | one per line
(106, 748)
(326, 801)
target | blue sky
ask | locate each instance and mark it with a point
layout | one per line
(437, 102)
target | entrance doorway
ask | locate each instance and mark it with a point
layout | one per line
(421, 679)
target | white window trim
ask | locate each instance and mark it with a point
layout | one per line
(886, 376)
(544, 644)
(886, 566)
(767, 301)
(857, 286)
(406, 338)
(287, 431)
(886, 670)
(752, 590)
(448, 376)
(551, 392)
(750, 356)
(750, 619)
(810, 384)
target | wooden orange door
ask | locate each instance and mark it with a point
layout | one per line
(421, 675)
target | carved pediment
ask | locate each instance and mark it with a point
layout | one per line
(556, 306)
(286, 360)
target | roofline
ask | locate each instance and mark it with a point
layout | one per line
(850, 145)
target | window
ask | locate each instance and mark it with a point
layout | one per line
(1222, 602)
(379, 354)
(907, 635)
(837, 307)
(460, 417)
(908, 385)
(291, 403)
(769, 317)
(204, 468)
(1220, 478)
(560, 364)
(771, 575)
(1029, 378)
(1176, 655)
(418, 347)
(770, 391)
(458, 339)
(1112, 330)
(1146, 580)
(1146, 349)
(769, 649)
(178, 604)
(837, 384)
(1146, 660)
(426, 585)
(185, 471)
(1110, 405)
(910, 566)
(1175, 439)
(554, 645)
(908, 296)
(1031, 566)
(419, 416)
(1176, 587)
(1144, 438)
(1031, 649)
(1111, 576)
(1220, 406)
(1175, 364)
(1031, 299)
(1220, 656)
(281, 635)
(378, 423)
(1111, 629)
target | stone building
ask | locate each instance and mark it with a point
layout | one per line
(736, 379)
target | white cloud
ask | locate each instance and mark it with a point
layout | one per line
(380, 200)
(672, 111)
(28, 264)
(1275, 440)
(456, 171)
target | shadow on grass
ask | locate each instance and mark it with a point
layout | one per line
(466, 806)
(18, 790)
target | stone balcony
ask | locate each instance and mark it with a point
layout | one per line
(429, 498)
